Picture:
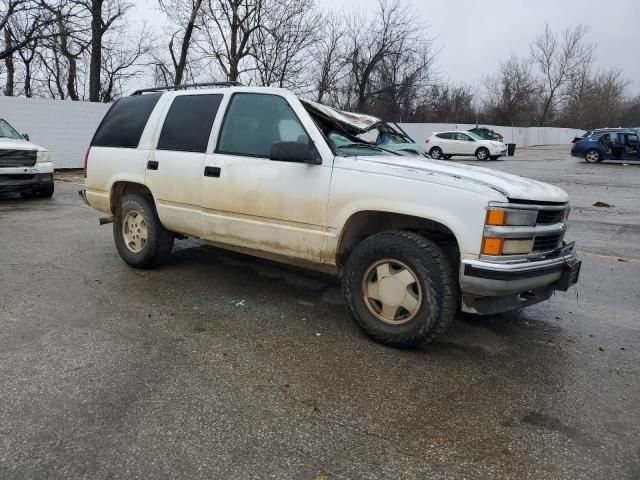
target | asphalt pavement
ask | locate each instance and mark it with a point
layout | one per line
(220, 365)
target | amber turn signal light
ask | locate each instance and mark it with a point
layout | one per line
(496, 217)
(492, 246)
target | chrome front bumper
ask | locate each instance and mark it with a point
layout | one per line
(489, 287)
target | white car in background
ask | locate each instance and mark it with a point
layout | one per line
(447, 144)
(25, 167)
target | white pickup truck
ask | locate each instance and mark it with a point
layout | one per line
(260, 171)
(25, 168)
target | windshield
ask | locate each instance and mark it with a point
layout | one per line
(7, 131)
(352, 147)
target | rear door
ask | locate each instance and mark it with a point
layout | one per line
(631, 146)
(174, 169)
(445, 142)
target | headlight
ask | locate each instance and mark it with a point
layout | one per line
(42, 156)
(504, 217)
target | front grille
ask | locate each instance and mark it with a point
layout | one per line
(547, 242)
(17, 158)
(549, 217)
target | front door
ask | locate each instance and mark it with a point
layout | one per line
(465, 144)
(174, 168)
(252, 202)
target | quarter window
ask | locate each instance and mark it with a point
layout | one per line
(124, 123)
(255, 122)
(188, 124)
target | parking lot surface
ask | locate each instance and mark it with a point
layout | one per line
(219, 365)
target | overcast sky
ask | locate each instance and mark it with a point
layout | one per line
(474, 36)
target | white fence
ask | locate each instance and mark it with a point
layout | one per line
(522, 136)
(66, 128)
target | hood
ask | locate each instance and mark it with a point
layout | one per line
(17, 144)
(351, 123)
(514, 187)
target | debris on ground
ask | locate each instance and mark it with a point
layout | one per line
(603, 204)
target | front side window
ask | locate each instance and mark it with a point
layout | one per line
(7, 131)
(188, 123)
(124, 123)
(255, 122)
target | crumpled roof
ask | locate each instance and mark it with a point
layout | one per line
(352, 123)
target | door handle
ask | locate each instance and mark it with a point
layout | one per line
(212, 172)
(152, 165)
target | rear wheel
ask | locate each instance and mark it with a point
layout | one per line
(435, 153)
(401, 289)
(482, 154)
(593, 156)
(140, 238)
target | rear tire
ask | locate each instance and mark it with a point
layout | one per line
(435, 153)
(401, 289)
(482, 154)
(593, 156)
(140, 238)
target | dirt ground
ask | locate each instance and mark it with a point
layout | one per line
(219, 365)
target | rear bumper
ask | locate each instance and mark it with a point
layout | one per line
(494, 287)
(24, 182)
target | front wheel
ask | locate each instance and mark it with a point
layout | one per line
(482, 154)
(140, 238)
(401, 289)
(593, 156)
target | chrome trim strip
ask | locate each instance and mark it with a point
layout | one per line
(567, 254)
(521, 206)
(525, 232)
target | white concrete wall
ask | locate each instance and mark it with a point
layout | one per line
(62, 127)
(521, 136)
(66, 128)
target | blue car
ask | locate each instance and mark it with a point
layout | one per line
(608, 144)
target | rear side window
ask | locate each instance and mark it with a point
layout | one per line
(188, 123)
(445, 136)
(255, 122)
(124, 123)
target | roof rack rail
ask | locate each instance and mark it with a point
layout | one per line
(186, 86)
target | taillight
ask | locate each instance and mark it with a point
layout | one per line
(427, 141)
(86, 159)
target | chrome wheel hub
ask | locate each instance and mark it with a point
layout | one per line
(134, 231)
(392, 292)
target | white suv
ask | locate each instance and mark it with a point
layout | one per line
(25, 168)
(256, 170)
(447, 144)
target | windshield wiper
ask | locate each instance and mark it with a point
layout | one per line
(366, 145)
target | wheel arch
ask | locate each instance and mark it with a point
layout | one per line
(121, 188)
(363, 224)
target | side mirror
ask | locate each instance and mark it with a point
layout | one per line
(298, 152)
(25, 136)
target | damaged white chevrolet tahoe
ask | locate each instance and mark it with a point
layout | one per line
(260, 171)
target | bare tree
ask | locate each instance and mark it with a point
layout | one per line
(185, 17)
(328, 54)
(25, 20)
(374, 39)
(512, 93)
(230, 28)
(558, 59)
(281, 48)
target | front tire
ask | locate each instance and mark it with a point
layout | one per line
(140, 238)
(44, 192)
(482, 154)
(593, 156)
(401, 289)
(435, 153)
